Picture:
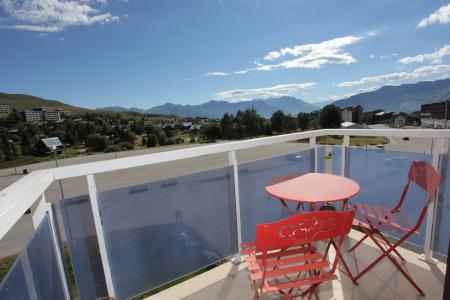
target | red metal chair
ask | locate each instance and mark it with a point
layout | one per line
(371, 219)
(283, 259)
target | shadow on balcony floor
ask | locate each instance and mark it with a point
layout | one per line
(382, 282)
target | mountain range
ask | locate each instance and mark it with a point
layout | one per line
(401, 98)
(215, 109)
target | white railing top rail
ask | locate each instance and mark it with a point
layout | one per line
(18, 197)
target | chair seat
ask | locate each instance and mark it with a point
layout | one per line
(380, 217)
(287, 268)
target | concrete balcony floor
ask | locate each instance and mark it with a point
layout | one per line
(384, 281)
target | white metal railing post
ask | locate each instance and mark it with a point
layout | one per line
(100, 237)
(437, 150)
(345, 144)
(45, 209)
(233, 162)
(313, 145)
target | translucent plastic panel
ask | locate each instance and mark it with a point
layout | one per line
(442, 223)
(159, 231)
(382, 176)
(321, 159)
(35, 274)
(256, 205)
(83, 247)
(336, 158)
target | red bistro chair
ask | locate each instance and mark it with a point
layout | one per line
(371, 219)
(282, 259)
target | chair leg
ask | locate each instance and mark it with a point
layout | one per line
(357, 244)
(389, 244)
(347, 269)
(386, 253)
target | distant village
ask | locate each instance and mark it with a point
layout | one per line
(433, 115)
(44, 131)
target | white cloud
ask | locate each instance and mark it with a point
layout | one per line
(442, 16)
(217, 74)
(435, 57)
(273, 55)
(311, 56)
(308, 56)
(389, 55)
(372, 56)
(416, 73)
(273, 91)
(53, 15)
(34, 28)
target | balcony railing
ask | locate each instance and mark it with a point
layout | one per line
(131, 225)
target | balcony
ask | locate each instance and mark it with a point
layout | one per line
(133, 224)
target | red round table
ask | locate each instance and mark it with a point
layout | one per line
(312, 188)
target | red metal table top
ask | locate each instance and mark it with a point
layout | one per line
(313, 188)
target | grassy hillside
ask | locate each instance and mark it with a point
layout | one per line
(21, 102)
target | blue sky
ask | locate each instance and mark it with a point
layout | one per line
(96, 53)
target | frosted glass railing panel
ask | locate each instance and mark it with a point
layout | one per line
(321, 159)
(336, 159)
(382, 176)
(256, 205)
(83, 247)
(159, 231)
(35, 274)
(442, 223)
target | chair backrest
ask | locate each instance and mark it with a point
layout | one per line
(424, 175)
(303, 229)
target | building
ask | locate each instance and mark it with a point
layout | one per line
(39, 114)
(195, 127)
(4, 108)
(43, 108)
(49, 146)
(51, 115)
(352, 114)
(435, 115)
(401, 120)
(347, 115)
(381, 116)
(33, 116)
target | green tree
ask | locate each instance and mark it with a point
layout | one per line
(212, 132)
(277, 121)
(2, 155)
(152, 140)
(303, 120)
(162, 137)
(252, 122)
(289, 124)
(267, 127)
(227, 126)
(330, 117)
(96, 142)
